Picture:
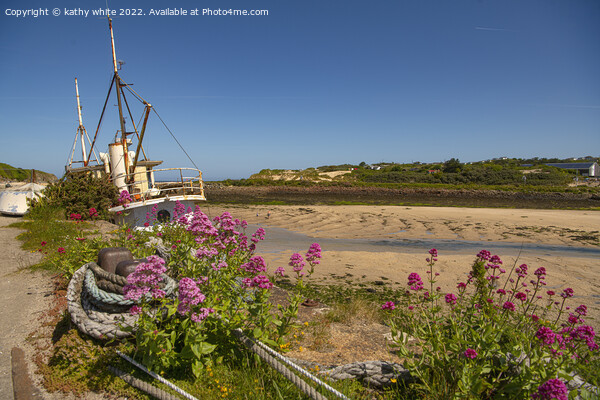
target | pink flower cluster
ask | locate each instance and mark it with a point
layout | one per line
(451, 298)
(470, 353)
(259, 281)
(190, 296)
(255, 265)
(146, 279)
(415, 282)
(388, 306)
(313, 255)
(297, 262)
(93, 213)
(75, 217)
(124, 198)
(552, 389)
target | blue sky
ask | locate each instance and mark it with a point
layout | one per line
(316, 82)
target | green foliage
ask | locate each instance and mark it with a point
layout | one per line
(77, 194)
(493, 339)
(24, 175)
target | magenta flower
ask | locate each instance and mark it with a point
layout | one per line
(451, 298)
(484, 255)
(189, 295)
(61, 250)
(470, 353)
(259, 281)
(145, 279)
(461, 286)
(522, 270)
(258, 235)
(521, 296)
(414, 281)
(508, 306)
(43, 243)
(551, 389)
(568, 292)
(540, 272)
(135, 310)
(280, 271)
(501, 292)
(255, 265)
(93, 212)
(581, 310)
(297, 262)
(313, 255)
(388, 306)
(124, 198)
(546, 335)
(550, 293)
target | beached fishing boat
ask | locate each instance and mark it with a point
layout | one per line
(15, 200)
(142, 186)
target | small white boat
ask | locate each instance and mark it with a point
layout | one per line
(15, 200)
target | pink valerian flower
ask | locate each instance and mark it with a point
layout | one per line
(178, 210)
(484, 255)
(550, 293)
(470, 353)
(568, 292)
(201, 314)
(546, 335)
(255, 265)
(434, 254)
(145, 279)
(259, 281)
(573, 319)
(495, 260)
(451, 298)
(521, 296)
(258, 235)
(189, 295)
(93, 212)
(43, 243)
(415, 282)
(280, 271)
(75, 217)
(581, 310)
(501, 292)
(313, 255)
(521, 270)
(509, 306)
(135, 310)
(297, 262)
(389, 305)
(551, 389)
(540, 272)
(461, 287)
(125, 198)
(219, 266)
(61, 250)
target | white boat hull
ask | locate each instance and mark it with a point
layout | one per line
(16, 201)
(135, 213)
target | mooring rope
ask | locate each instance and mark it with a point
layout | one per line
(157, 377)
(142, 385)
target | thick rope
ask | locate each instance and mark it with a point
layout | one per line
(79, 316)
(272, 361)
(143, 386)
(157, 377)
(102, 274)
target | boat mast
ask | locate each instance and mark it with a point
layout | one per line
(117, 81)
(81, 129)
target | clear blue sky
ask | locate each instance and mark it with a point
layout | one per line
(316, 82)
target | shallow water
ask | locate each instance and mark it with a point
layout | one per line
(279, 239)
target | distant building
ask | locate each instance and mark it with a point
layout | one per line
(584, 169)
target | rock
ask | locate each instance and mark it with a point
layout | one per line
(377, 374)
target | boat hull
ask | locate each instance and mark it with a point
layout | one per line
(135, 213)
(15, 202)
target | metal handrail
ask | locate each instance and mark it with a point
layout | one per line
(185, 185)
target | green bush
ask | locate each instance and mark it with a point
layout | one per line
(77, 194)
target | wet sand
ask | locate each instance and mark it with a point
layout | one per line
(393, 264)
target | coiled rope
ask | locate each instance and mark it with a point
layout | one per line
(89, 319)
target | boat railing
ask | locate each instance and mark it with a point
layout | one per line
(165, 182)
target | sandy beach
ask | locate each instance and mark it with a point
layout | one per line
(575, 229)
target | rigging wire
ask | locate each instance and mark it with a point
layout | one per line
(172, 135)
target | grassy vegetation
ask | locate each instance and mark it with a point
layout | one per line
(24, 175)
(514, 175)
